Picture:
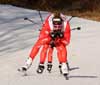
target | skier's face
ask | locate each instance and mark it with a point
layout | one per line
(57, 24)
(57, 27)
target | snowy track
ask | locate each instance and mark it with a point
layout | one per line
(17, 37)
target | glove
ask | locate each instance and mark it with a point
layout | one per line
(53, 35)
(56, 34)
(60, 34)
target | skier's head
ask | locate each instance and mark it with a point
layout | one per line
(57, 21)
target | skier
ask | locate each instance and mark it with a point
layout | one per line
(56, 29)
(52, 45)
(50, 50)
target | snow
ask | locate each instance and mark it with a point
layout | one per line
(17, 36)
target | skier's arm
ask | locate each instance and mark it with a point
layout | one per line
(66, 39)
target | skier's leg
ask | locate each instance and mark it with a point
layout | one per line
(35, 49)
(43, 53)
(42, 58)
(33, 53)
(59, 54)
(64, 67)
(62, 55)
(59, 58)
(50, 53)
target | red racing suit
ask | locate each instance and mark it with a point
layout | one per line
(45, 39)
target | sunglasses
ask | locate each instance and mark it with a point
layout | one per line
(58, 26)
(57, 23)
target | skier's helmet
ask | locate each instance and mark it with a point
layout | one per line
(57, 21)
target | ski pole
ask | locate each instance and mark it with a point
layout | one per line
(70, 18)
(31, 20)
(78, 28)
(40, 16)
(28, 19)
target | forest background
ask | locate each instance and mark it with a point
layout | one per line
(89, 9)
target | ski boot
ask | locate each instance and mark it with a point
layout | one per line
(40, 68)
(64, 70)
(49, 67)
(22, 69)
(26, 66)
(67, 67)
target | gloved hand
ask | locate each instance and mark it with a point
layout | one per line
(56, 34)
(53, 35)
(60, 34)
